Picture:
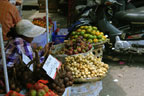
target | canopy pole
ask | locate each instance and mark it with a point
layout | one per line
(4, 60)
(47, 22)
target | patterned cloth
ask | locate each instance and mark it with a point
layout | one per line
(9, 16)
(16, 48)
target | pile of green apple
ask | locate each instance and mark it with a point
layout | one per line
(39, 89)
(89, 33)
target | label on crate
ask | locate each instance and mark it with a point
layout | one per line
(26, 60)
(51, 66)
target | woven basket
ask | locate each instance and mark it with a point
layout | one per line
(61, 57)
(89, 80)
(98, 48)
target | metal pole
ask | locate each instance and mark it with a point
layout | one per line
(4, 60)
(47, 21)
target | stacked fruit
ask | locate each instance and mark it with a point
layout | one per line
(19, 76)
(39, 89)
(63, 79)
(42, 22)
(87, 66)
(89, 33)
(13, 93)
(75, 46)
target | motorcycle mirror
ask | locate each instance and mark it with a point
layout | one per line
(108, 3)
(118, 3)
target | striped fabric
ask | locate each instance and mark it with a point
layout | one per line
(9, 16)
(16, 48)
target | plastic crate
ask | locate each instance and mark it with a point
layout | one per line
(58, 38)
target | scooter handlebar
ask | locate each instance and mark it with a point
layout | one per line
(111, 2)
(118, 3)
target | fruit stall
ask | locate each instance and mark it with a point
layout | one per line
(72, 67)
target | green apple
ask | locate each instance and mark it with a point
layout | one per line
(46, 88)
(95, 28)
(33, 92)
(85, 35)
(73, 33)
(41, 92)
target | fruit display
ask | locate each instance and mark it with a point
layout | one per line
(42, 22)
(13, 93)
(75, 46)
(89, 33)
(87, 66)
(39, 89)
(20, 74)
(18, 78)
(63, 79)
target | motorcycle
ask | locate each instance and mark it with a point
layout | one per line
(124, 26)
(122, 21)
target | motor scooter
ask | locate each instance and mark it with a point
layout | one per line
(121, 21)
(124, 27)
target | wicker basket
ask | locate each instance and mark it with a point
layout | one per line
(98, 49)
(98, 52)
(61, 57)
(89, 80)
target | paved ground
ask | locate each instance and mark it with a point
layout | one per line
(130, 79)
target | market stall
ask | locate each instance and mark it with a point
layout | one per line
(72, 67)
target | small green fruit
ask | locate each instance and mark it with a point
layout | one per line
(46, 88)
(82, 33)
(99, 37)
(95, 28)
(33, 92)
(90, 37)
(41, 92)
(85, 35)
(90, 40)
(95, 37)
(76, 36)
(89, 30)
(73, 33)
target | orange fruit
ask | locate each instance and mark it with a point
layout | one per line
(81, 27)
(104, 37)
(83, 31)
(86, 27)
(101, 33)
(97, 33)
(93, 32)
(95, 40)
(78, 30)
(89, 30)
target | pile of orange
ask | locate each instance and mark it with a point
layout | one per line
(89, 33)
(41, 22)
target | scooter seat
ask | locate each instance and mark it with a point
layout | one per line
(131, 15)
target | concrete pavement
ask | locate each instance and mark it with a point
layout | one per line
(130, 80)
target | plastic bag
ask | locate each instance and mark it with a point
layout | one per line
(13, 93)
(40, 85)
